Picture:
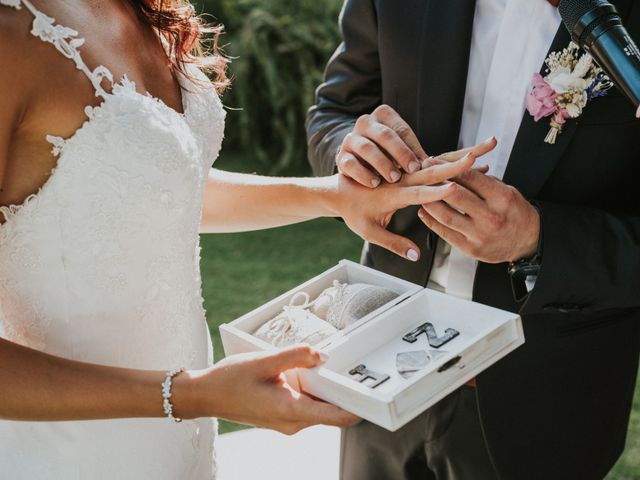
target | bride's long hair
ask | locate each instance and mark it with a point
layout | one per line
(184, 32)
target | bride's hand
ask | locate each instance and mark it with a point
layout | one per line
(368, 211)
(251, 389)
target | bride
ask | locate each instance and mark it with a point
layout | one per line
(104, 190)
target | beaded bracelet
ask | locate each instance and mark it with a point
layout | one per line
(166, 394)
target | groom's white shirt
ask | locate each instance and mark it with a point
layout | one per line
(510, 41)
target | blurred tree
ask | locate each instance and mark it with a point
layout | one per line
(279, 50)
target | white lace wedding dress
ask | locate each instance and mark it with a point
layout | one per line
(102, 266)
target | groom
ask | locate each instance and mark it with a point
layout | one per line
(566, 215)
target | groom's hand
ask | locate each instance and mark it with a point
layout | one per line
(381, 145)
(486, 219)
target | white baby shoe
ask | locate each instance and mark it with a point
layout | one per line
(343, 304)
(295, 325)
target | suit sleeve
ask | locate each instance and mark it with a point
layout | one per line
(352, 86)
(590, 261)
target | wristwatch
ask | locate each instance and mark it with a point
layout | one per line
(525, 267)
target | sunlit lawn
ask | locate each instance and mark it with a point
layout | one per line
(242, 271)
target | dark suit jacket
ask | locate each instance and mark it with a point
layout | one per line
(558, 407)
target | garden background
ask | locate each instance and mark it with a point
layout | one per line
(279, 49)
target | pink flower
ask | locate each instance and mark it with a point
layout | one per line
(541, 102)
(561, 116)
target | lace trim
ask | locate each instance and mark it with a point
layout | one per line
(11, 3)
(66, 41)
(11, 210)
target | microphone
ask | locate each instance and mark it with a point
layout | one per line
(596, 26)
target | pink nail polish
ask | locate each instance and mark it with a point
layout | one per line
(412, 255)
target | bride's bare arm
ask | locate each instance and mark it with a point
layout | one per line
(38, 386)
(41, 387)
(237, 202)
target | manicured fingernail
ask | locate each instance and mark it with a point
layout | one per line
(412, 255)
(375, 182)
(489, 140)
(395, 176)
(323, 357)
(414, 167)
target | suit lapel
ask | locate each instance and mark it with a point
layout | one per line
(532, 160)
(444, 64)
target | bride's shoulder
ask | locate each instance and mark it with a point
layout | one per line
(18, 62)
(13, 18)
(15, 29)
(16, 42)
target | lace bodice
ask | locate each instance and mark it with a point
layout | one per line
(107, 251)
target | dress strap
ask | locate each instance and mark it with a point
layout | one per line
(66, 42)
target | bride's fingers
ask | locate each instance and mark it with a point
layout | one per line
(484, 147)
(420, 195)
(315, 411)
(395, 243)
(441, 172)
(295, 357)
(477, 150)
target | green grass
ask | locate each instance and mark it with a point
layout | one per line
(243, 271)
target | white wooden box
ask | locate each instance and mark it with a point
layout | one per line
(485, 335)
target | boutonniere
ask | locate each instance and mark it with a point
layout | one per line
(571, 81)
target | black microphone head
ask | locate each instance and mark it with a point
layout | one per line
(572, 11)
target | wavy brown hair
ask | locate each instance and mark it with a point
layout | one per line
(190, 40)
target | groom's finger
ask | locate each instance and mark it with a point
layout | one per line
(388, 116)
(368, 152)
(464, 200)
(390, 141)
(350, 165)
(449, 217)
(447, 234)
(485, 186)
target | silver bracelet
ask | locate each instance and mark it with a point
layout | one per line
(166, 394)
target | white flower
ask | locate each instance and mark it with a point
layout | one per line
(574, 110)
(562, 81)
(583, 66)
